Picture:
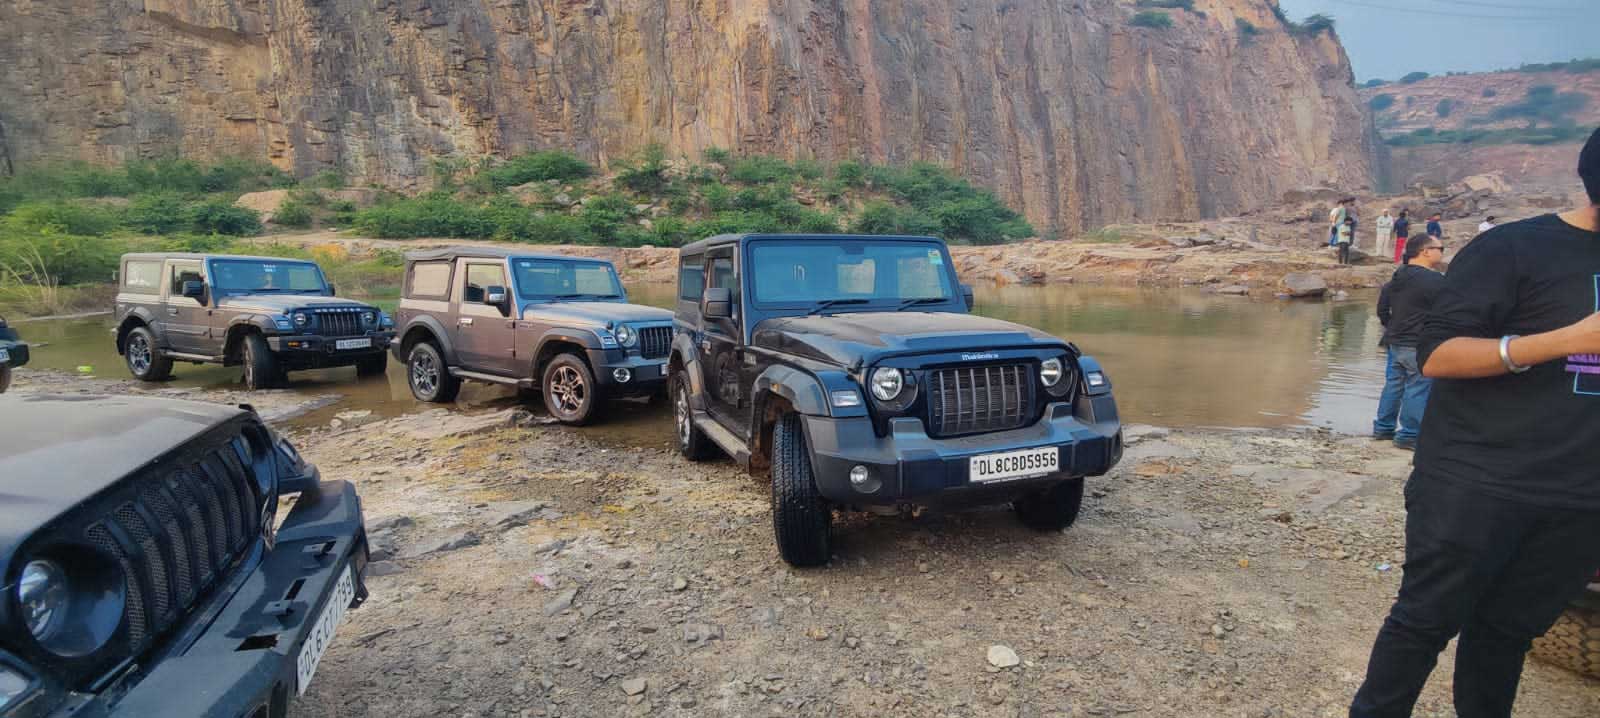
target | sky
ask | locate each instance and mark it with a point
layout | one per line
(1389, 38)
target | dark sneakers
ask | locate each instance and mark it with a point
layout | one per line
(1407, 444)
(1382, 435)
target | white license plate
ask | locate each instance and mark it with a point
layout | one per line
(661, 368)
(5, 355)
(362, 343)
(321, 635)
(1014, 464)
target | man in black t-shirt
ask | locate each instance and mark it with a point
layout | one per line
(1503, 507)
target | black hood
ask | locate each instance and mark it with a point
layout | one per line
(283, 303)
(58, 450)
(848, 338)
(597, 314)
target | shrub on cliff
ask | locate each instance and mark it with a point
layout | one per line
(1543, 103)
(1414, 77)
(537, 167)
(61, 217)
(219, 216)
(1382, 102)
(1151, 19)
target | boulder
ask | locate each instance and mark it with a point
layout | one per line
(1302, 285)
(267, 202)
(1491, 182)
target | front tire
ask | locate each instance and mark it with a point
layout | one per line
(569, 391)
(373, 365)
(144, 360)
(261, 370)
(1052, 509)
(5, 378)
(1573, 643)
(802, 521)
(692, 442)
(429, 377)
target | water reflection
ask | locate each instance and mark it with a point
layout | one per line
(1177, 358)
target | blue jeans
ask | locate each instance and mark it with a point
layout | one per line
(1405, 395)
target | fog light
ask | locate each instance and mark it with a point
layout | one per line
(862, 479)
(622, 376)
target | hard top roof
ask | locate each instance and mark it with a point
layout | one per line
(426, 255)
(721, 239)
(156, 256)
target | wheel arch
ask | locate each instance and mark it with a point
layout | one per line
(135, 319)
(239, 328)
(778, 391)
(427, 329)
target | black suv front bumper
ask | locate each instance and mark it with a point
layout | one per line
(240, 655)
(312, 351)
(16, 353)
(914, 467)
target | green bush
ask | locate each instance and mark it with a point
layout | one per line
(1445, 107)
(1382, 102)
(717, 155)
(1168, 4)
(1490, 92)
(1374, 83)
(219, 216)
(1510, 136)
(537, 167)
(646, 172)
(850, 173)
(1414, 77)
(1152, 19)
(293, 213)
(1247, 30)
(156, 213)
(1543, 103)
(1314, 24)
(62, 217)
(326, 179)
(760, 169)
(48, 258)
(888, 218)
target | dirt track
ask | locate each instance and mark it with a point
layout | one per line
(1214, 573)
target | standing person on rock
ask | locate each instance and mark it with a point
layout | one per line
(1435, 229)
(1402, 228)
(1385, 235)
(1336, 218)
(1346, 236)
(1403, 305)
(1503, 507)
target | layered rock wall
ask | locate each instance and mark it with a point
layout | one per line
(1062, 106)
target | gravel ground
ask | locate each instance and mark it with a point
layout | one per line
(535, 570)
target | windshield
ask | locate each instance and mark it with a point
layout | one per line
(856, 272)
(253, 276)
(554, 278)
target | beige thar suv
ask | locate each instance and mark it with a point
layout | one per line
(559, 325)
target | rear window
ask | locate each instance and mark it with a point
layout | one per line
(430, 280)
(142, 277)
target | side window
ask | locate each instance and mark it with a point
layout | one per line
(142, 277)
(479, 278)
(183, 272)
(429, 280)
(691, 279)
(722, 274)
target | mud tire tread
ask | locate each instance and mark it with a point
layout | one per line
(802, 521)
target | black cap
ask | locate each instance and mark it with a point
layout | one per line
(1589, 167)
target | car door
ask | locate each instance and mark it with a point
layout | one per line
(485, 335)
(720, 346)
(184, 319)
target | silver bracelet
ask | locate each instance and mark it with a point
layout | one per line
(1505, 355)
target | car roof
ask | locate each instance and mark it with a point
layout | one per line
(722, 239)
(428, 255)
(153, 256)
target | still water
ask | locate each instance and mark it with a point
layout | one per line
(1176, 358)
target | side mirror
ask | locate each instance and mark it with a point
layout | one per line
(194, 289)
(717, 303)
(966, 293)
(495, 297)
(332, 290)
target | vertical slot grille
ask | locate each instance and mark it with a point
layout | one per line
(970, 400)
(338, 322)
(655, 342)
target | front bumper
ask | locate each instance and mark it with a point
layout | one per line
(16, 351)
(646, 376)
(315, 351)
(245, 659)
(914, 467)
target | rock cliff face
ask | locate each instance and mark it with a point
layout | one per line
(1064, 107)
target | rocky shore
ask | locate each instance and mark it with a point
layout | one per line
(525, 569)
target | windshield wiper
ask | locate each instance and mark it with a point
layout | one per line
(909, 303)
(585, 294)
(827, 303)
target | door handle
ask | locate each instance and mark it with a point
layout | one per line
(465, 321)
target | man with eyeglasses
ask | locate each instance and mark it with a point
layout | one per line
(1403, 304)
(1503, 507)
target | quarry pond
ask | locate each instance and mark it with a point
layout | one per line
(1179, 358)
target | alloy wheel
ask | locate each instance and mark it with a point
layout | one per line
(568, 390)
(139, 358)
(680, 412)
(424, 375)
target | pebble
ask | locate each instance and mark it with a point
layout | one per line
(561, 602)
(635, 686)
(1003, 657)
(679, 583)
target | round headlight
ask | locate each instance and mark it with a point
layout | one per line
(300, 319)
(42, 592)
(626, 336)
(369, 318)
(1050, 372)
(887, 383)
